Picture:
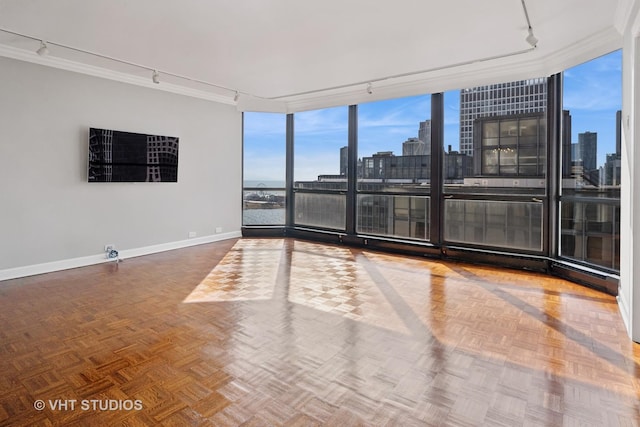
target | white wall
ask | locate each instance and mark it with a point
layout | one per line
(629, 289)
(48, 210)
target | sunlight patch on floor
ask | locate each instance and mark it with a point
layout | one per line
(247, 273)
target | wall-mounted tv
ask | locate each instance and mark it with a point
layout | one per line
(116, 156)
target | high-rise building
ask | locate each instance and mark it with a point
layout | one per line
(611, 171)
(421, 145)
(344, 155)
(414, 147)
(588, 149)
(424, 134)
(520, 97)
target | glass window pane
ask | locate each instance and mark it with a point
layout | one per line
(394, 145)
(264, 154)
(591, 162)
(512, 119)
(320, 168)
(490, 162)
(490, 131)
(508, 161)
(528, 127)
(320, 210)
(396, 216)
(590, 232)
(494, 150)
(320, 152)
(394, 156)
(508, 128)
(508, 225)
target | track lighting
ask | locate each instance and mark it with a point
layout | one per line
(155, 77)
(43, 50)
(369, 89)
(531, 39)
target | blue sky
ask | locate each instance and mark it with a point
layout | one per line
(592, 93)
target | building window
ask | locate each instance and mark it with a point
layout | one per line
(511, 146)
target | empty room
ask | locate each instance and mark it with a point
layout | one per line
(275, 213)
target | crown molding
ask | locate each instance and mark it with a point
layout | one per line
(76, 67)
(624, 14)
(255, 104)
(598, 44)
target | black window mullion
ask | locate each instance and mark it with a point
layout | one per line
(437, 148)
(352, 170)
(551, 215)
(290, 216)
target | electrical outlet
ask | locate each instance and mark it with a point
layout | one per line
(218, 229)
(192, 234)
(109, 248)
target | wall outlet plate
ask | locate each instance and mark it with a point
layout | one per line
(192, 234)
(109, 248)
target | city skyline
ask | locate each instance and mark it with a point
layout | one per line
(592, 94)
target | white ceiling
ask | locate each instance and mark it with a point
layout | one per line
(288, 55)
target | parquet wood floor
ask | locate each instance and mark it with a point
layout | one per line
(270, 332)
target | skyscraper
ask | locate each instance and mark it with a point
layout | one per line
(424, 135)
(588, 149)
(520, 97)
(421, 145)
(415, 147)
(344, 154)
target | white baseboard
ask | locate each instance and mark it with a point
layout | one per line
(65, 264)
(623, 306)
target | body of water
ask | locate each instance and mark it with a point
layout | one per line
(263, 216)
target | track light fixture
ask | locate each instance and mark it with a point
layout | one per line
(43, 50)
(369, 89)
(531, 39)
(155, 77)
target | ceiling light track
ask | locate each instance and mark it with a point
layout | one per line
(155, 77)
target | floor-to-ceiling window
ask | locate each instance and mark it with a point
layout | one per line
(394, 167)
(494, 166)
(320, 181)
(590, 194)
(264, 169)
(522, 169)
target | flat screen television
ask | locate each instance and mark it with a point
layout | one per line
(116, 156)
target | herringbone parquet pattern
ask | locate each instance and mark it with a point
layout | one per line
(260, 332)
